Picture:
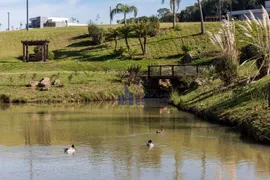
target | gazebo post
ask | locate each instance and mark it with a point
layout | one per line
(24, 59)
(27, 54)
(47, 52)
(42, 53)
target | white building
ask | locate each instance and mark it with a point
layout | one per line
(42, 22)
(240, 15)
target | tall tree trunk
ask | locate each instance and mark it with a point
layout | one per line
(174, 13)
(202, 22)
(144, 44)
(141, 44)
(115, 43)
(125, 18)
(126, 39)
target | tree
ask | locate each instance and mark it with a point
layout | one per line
(142, 30)
(202, 21)
(125, 31)
(163, 12)
(0, 25)
(145, 30)
(125, 9)
(114, 34)
(175, 5)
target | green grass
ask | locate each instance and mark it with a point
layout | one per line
(74, 53)
(73, 44)
(78, 87)
(243, 106)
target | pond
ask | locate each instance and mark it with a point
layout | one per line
(110, 141)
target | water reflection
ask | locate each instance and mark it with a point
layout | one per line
(113, 137)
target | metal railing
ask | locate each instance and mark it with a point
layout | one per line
(173, 71)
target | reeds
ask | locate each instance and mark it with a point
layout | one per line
(257, 32)
(225, 40)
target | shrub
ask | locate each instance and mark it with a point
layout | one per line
(227, 69)
(133, 72)
(38, 50)
(51, 55)
(119, 52)
(96, 33)
(186, 48)
(227, 65)
(177, 27)
(258, 34)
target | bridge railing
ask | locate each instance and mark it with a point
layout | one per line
(174, 71)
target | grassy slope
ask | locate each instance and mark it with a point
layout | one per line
(73, 51)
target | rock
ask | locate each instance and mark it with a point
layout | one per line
(187, 58)
(198, 82)
(195, 84)
(44, 89)
(45, 82)
(165, 83)
(33, 84)
(57, 83)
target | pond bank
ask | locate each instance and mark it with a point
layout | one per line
(245, 108)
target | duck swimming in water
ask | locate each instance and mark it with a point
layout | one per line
(70, 150)
(150, 144)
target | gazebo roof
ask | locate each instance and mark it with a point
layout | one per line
(36, 42)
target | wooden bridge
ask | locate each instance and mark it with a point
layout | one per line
(173, 71)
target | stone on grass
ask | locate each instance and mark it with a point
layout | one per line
(57, 83)
(33, 84)
(45, 82)
(44, 89)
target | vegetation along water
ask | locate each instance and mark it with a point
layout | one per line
(96, 86)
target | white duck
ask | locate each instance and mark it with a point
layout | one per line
(150, 144)
(70, 150)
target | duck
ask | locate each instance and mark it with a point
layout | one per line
(70, 150)
(150, 144)
(160, 131)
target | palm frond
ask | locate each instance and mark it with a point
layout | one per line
(133, 9)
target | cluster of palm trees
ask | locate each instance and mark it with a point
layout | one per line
(141, 30)
(174, 4)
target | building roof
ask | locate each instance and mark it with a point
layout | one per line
(254, 11)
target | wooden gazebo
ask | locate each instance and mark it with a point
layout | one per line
(44, 54)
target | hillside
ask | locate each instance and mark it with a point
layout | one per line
(71, 45)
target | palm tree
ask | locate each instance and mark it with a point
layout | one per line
(201, 14)
(125, 31)
(125, 9)
(142, 30)
(174, 4)
(114, 35)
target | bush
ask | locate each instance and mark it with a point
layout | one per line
(51, 55)
(177, 27)
(228, 63)
(154, 29)
(227, 69)
(96, 33)
(186, 48)
(119, 52)
(38, 50)
(133, 72)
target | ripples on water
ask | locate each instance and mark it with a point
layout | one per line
(111, 144)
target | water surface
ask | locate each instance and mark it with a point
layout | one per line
(111, 144)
